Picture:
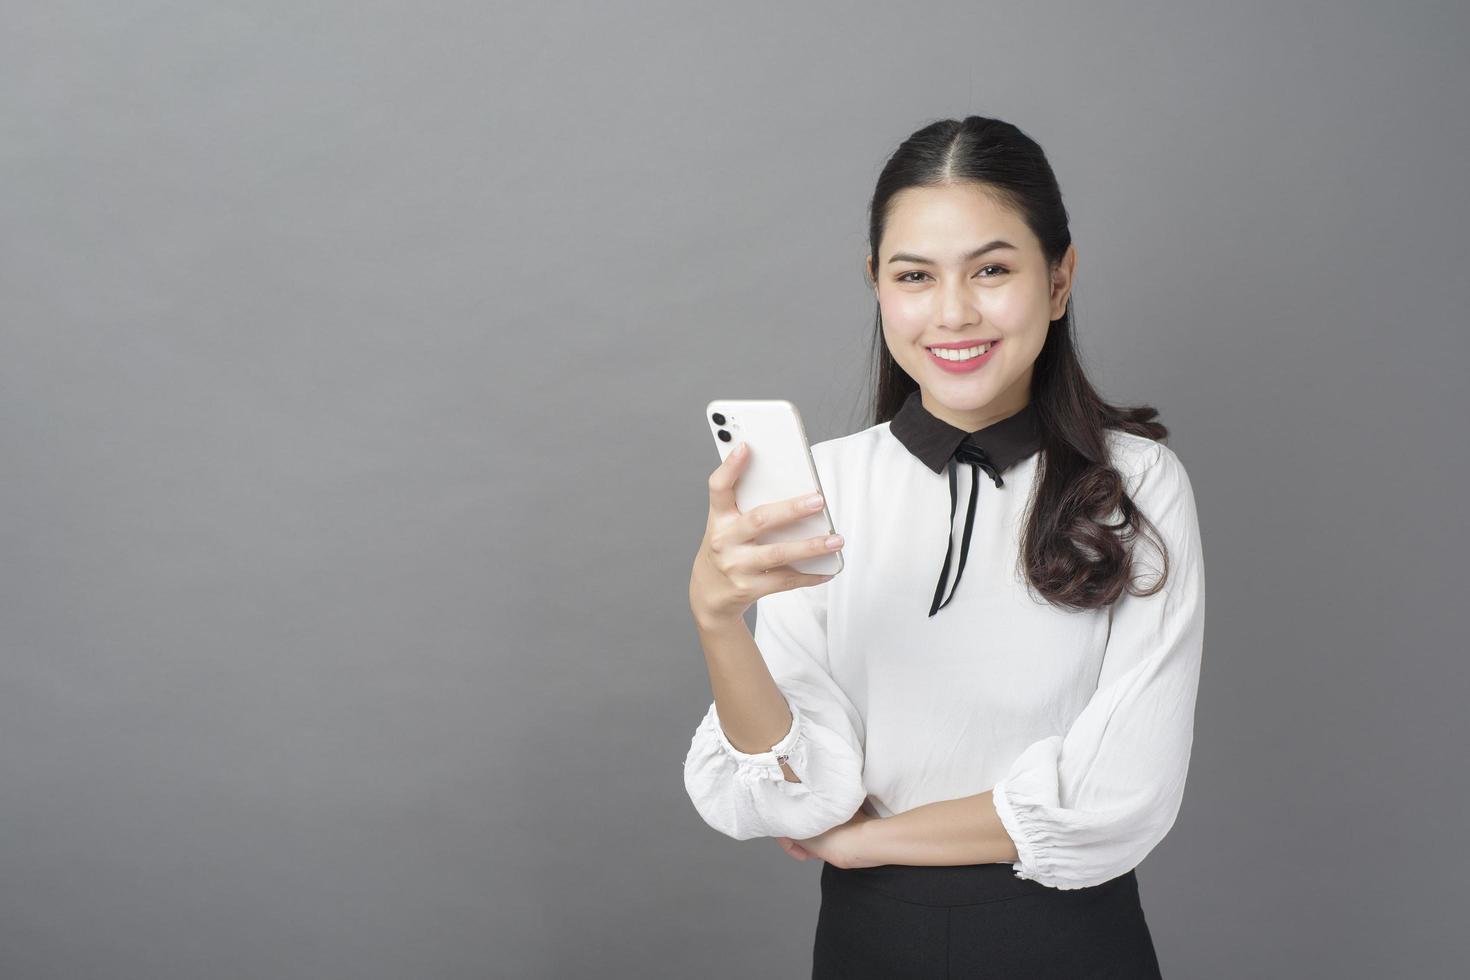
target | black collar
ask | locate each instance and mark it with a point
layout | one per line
(942, 447)
(934, 440)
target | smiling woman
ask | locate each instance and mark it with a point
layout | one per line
(981, 761)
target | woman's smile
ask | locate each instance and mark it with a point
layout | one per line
(962, 360)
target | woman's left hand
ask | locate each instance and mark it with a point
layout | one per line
(839, 847)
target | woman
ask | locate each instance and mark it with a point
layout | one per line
(980, 760)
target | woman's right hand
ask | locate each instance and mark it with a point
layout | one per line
(730, 571)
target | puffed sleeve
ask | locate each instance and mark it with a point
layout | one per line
(745, 795)
(1089, 805)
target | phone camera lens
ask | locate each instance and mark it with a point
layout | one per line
(724, 436)
(718, 418)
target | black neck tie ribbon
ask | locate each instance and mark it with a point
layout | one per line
(978, 460)
(943, 447)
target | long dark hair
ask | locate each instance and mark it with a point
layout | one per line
(1073, 551)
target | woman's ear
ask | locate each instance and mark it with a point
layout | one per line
(1061, 281)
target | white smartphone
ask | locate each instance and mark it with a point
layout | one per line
(780, 467)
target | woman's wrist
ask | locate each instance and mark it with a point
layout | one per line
(869, 843)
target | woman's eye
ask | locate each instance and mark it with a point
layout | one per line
(1000, 269)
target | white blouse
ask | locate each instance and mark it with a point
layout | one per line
(1080, 721)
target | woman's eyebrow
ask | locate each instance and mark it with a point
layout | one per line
(988, 247)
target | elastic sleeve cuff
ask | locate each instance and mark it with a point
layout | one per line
(747, 794)
(1028, 843)
(769, 759)
(1020, 798)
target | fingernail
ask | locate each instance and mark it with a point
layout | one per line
(815, 500)
(834, 541)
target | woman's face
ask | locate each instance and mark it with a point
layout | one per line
(936, 286)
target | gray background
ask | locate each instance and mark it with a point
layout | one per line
(352, 361)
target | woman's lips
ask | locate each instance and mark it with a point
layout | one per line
(963, 367)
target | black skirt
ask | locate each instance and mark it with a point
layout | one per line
(977, 921)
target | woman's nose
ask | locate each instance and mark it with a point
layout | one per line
(957, 308)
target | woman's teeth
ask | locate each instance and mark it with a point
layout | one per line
(959, 355)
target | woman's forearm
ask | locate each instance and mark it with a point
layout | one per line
(961, 831)
(752, 708)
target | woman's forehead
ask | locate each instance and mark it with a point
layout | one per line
(953, 230)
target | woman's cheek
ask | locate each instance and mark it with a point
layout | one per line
(1009, 312)
(906, 319)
